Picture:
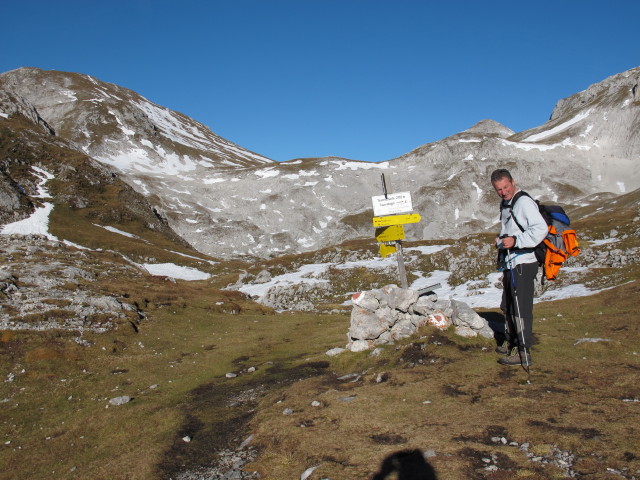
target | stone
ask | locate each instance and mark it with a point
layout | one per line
(120, 400)
(359, 346)
(384, 338)
(381, 295)
(389, 314)
(464, 315)
(365, 325)
(402, 299)
(365, 300)
(424, 305)
(486, 332)
(335, 351)
(444, 306)
(465, 331)
(402, 329)
(439, 320)
(386, 316)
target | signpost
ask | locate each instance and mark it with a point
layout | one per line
(390, 233)
(396, 220)
(386, 250)
(391, 203)
(391, 212)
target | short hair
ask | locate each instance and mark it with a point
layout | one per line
(499, 174)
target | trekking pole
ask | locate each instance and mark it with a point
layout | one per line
(518, 322)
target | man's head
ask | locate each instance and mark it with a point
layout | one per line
(503, 184)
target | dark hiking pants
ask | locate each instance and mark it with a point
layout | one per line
(519, 282)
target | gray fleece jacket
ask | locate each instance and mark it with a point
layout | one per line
(525, 210)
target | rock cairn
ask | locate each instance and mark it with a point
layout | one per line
(388, 314)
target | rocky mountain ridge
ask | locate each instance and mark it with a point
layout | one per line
(228, 202)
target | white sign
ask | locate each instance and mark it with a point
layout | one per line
(392, 204)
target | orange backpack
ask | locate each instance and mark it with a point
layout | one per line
(561, 241)
(559, 245)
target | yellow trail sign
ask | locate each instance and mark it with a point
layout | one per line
(386, 250)
(396, 220)
(390, 233)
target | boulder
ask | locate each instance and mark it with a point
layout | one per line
(402, 299)
(359, 346)
(439, 320)
(464, 315)
(365, 324)
(403, 329)
(425, 305)
(365, 300)
(386, 316)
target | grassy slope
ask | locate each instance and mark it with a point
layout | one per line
(577, 401)
(56, 419)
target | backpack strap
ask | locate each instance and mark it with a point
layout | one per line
(509, 206)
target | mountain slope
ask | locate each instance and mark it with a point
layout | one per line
(228, 202)
(86, 189)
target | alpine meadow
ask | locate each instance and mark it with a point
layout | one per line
(175, 306)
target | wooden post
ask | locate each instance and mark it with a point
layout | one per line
(402, 272)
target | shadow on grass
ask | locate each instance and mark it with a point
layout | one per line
(495, 320)
(408, 464)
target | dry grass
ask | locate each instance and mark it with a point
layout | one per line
(450, 397)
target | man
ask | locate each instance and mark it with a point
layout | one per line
(522, 229)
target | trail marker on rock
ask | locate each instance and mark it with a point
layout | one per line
(392, 211)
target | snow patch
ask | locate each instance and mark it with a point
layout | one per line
(174, 271)
(115, 230)
(478, 189)
(267, 173)
(38, 222)
(210, 181)
(557, 129)
(350, 165)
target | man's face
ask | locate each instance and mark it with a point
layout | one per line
(505, 188)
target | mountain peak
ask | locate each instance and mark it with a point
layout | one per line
(490, 127)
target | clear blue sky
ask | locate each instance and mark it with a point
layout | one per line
(361, 79)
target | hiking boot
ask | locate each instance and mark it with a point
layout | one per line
(505, 347)
(517, 357)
